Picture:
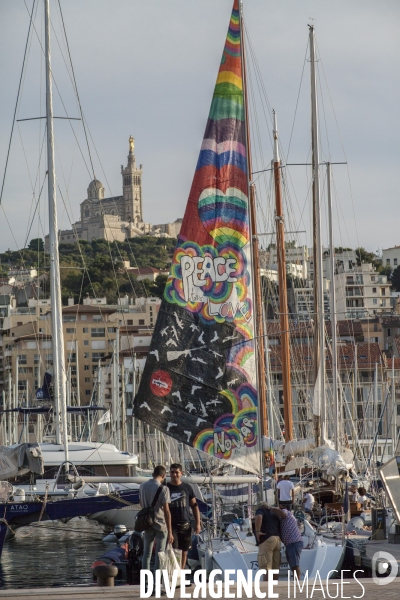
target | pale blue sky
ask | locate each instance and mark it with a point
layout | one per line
(148, 68)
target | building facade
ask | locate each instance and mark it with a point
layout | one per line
(119, 217)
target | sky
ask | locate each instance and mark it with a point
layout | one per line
(147, 68)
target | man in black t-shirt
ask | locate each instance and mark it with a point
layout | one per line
(182, 500)
(267, 530)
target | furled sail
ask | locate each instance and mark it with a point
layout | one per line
(199, 384)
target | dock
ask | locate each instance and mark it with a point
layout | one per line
(351, 590)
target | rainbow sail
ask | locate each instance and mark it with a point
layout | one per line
(198, 384)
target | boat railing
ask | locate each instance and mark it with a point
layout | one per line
(66, 465)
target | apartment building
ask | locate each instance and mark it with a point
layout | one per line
(304, 302)
(391, 257)
(89, 334)
(296, 260)
(361, 292)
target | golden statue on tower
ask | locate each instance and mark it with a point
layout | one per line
(131, 144)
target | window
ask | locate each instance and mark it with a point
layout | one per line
(97, 318)
(388, 332)
(383, 291)
(36, 359)
(141, 322)
(86, 368)
(85, 330)
(87, 392)
(374, 340)
(31, 345)
(69, 319)
(87, 379)
(395, 261)
(86, 355)
(113, 329)
(372, 277)
(83, 317)
(97, 356)
(49, 357)
(22, 359)
(375, 301)
(130, 322)
(374, 290)
(72, 357)
(86, 342)
(98, 332)
(99, 345)
(388, 261)
(70, 330)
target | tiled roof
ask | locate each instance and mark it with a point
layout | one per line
(302, 357)
(145, 270)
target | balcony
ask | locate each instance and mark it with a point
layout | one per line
(357, 291)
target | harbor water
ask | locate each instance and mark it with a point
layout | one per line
(52, 554)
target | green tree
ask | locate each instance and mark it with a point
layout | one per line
(37, 244)
(157, 288)
(395, 279)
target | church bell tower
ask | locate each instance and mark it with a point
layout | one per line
(132, 187)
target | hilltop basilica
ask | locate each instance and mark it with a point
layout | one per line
(116, 218)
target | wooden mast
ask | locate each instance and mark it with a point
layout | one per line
(258, 303)
(283, 303)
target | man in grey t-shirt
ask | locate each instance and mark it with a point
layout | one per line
(161, 530)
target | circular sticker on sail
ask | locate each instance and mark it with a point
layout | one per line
(160, 383)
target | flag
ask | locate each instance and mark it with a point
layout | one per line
(346, 504)
(106, 418)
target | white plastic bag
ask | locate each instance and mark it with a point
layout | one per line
(171, 561)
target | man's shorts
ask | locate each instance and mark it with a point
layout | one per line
(293, 552)
(182, 538)
(269, 553)
(286, 504)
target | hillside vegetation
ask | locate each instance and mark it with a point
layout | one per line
(96, 268)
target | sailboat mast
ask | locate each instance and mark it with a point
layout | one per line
(333, 311)
(283, 303)
(319, 321)
(59, 375)
(258, 313)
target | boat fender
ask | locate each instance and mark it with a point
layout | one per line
(19, 495)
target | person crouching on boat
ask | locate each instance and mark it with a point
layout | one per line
(161, 530)
(267, 532)
(182, 500)
(291, 537)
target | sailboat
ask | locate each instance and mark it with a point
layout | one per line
(203, 381)
(21, 510)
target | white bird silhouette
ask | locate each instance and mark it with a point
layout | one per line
(230, 337)
(194, 388)
(169, 425)
(194, 327)
(215, 402)
(164, 331)
(189, 435)
(216, 353)
(145, 405)
(178, 321)
(199, 421)
(174, 331)
(200, 360)
(232, 381)
(178, 395)
(190, 406)
(203, 408)
(215, 338)
(171, 342)
(220, 373)
(155, 352)
(165, 409)
(200, 339)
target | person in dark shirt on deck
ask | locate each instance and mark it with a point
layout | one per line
(182, 500)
